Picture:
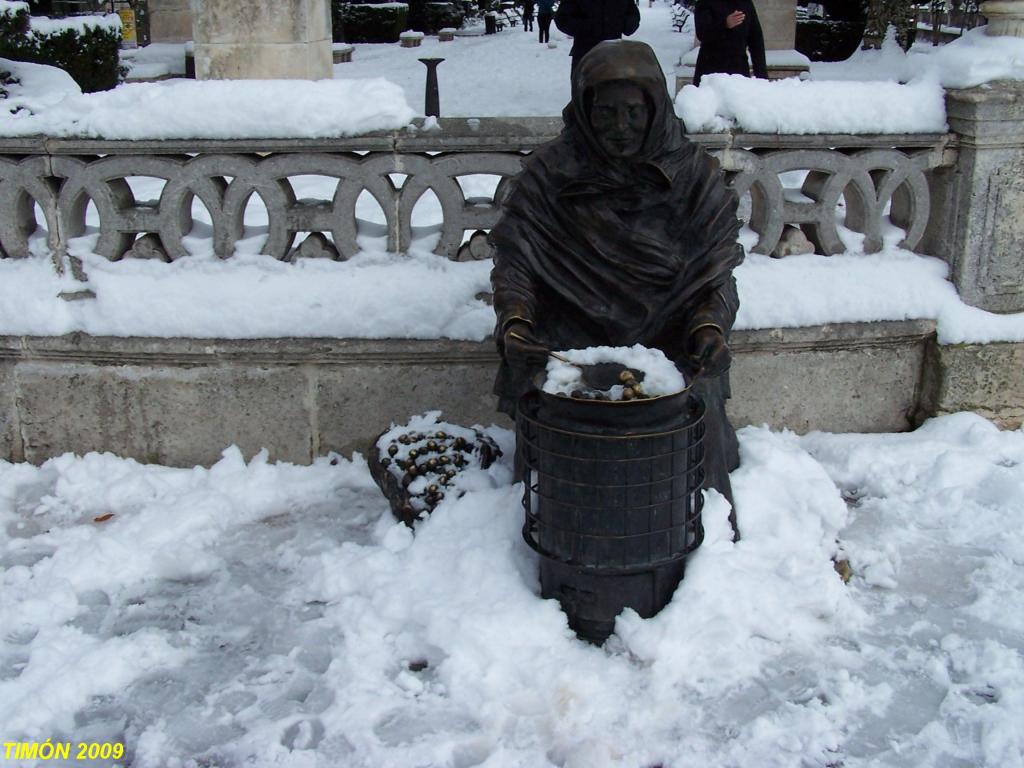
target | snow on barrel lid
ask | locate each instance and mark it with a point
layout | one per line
(661, 377)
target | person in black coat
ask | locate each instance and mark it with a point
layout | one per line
(528, 6)
(726, 30)
(589, 22)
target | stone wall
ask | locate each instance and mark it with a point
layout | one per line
(985, 378)
(182, 401)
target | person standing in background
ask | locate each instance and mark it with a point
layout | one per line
(528, 6)
(589, 22)
(726, 30)
(545, 10)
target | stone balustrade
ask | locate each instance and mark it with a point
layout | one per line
(180, 401)
(863, 179)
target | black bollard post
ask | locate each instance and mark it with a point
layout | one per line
(432, 101)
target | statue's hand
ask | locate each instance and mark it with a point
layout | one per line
(522, 348)
(708, 351)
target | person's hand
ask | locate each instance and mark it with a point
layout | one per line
(522, 348)
(708, 352)
(734, 19)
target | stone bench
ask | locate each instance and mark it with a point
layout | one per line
(446, 35)
(342, 53)
(411, 39)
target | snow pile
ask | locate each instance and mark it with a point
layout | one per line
(273, 614)
(37, 86)
(971, 60)
(215, 109)
(661, 377)
(422, 296)
(725, 102)
(850, 287)
(154, 60)
(372, 296)
(977, 58)
(883, 91)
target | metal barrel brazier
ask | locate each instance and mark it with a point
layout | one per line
(612, 495)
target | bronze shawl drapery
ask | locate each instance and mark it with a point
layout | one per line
(596, 250)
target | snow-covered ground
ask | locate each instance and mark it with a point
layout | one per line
(260, 614)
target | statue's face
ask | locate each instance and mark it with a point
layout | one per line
(619, 116)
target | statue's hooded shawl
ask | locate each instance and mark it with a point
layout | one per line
(592, 249)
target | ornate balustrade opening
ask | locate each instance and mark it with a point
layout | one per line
(440, 191)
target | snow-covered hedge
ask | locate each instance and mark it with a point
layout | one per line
(86, 47)
(429, 17)
(371, 22)
(827, 40)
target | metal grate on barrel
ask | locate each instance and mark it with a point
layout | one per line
(613, 501)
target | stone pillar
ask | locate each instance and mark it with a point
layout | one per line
(170, 21)
(262, 39)
(977, 223)
(1005, 17)
(778, 23)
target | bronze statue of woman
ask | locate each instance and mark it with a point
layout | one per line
(621, 231)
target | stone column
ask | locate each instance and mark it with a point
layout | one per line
(262, 39)
(778, 22)
(1005, 17)
(170, 21)
(977, 223)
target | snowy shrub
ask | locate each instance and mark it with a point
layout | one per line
(372, 22)
(429, 17)
(844, 10)
(337, 21)
(882, 14)
(88, 53)
(823, 40)
(14, 23)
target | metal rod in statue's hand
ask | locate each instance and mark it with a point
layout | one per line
(600, 376)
